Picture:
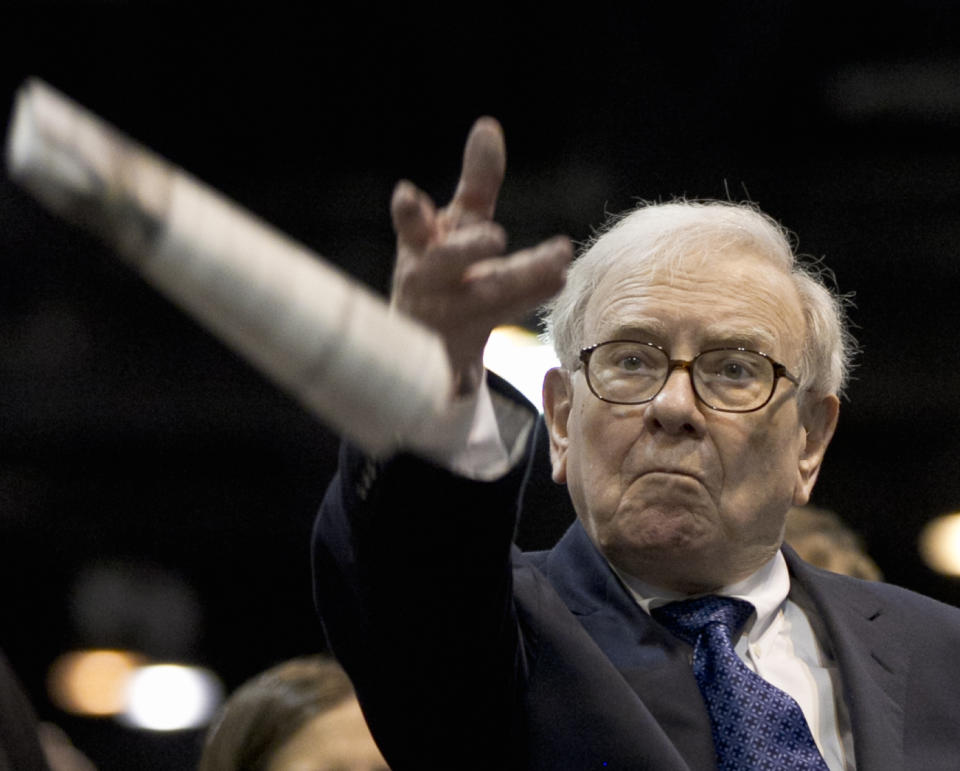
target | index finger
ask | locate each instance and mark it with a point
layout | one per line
(484, 166)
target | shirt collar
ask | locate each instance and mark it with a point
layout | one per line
(766, 589)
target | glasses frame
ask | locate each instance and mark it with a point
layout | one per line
(779, 371)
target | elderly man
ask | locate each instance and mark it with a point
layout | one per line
(668, 629)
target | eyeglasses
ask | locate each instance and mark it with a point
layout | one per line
(724, 379)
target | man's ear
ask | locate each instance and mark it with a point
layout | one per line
(819, 418)
(557, 401)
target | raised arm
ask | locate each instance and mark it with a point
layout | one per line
(412, 561)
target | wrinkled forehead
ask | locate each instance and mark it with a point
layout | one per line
(727, 296)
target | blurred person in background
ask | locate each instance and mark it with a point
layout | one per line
(821, 538)
(19, 741)
(301, 715)
(60, 752)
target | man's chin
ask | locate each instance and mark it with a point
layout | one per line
(669, 541)
(656, 527)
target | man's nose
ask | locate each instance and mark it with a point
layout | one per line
(676, 409)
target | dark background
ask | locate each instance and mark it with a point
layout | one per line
(155, 492)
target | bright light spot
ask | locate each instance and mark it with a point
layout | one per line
(940, 544)
(516, 355)
(91, 682)
(168, 697)
(162, 697)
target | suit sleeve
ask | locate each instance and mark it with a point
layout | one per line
(412, 580)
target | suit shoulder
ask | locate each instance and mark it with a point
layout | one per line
(925, 616)
(916, 603)
(840, 594)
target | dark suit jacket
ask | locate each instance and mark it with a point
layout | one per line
(467, 653)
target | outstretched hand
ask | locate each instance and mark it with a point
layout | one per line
(451, 273)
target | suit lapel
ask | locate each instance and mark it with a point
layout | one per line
(865, 637)
(651, 661)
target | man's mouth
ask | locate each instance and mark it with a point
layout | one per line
(673, 472)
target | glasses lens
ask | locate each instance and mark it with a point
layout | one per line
(627, 372)
(733, 380)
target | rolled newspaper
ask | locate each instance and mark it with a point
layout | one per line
(367, 371)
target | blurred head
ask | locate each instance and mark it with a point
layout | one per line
(822, 539)
(301, 715)
(672, 490)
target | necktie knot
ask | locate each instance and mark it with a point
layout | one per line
(687, 619)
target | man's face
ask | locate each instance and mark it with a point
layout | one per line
(671, 491)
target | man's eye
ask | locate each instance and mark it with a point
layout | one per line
(635, 363)
(734, 369)
(632, 363)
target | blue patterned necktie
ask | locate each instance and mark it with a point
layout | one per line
(755, 725)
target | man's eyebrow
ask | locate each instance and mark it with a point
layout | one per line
(645, 331)
(759, 338)
(715, 335)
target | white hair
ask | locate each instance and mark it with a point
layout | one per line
(658, 236)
